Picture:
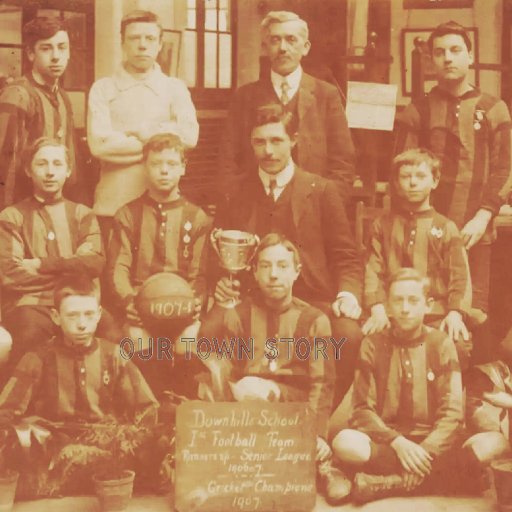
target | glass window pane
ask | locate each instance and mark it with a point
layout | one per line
(191, 18)
(210, 60)
(210, 22)
(224, 4)
(224, 21)
(191, 4)
(190, 57)
(77, 33)
(10, 25)
(10, 64)
(225, 61)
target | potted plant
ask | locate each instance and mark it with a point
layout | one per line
(106, 451)
(114, 481)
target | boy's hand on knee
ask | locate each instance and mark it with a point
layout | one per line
(412, 480)
(455, 326)
(413, 457)
(378, 320)
(323, 450)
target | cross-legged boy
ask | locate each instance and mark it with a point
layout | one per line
(407, 413)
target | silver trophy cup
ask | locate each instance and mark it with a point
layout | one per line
(235, 250)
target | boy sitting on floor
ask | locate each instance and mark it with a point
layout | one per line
(77, 378)
(407, 403)
(272, 312)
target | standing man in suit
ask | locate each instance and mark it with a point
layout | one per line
(277, 196)
(324, 145)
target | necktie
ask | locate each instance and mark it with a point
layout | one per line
(285, 87)
(272, 185)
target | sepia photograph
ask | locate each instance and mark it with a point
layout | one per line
(254, 255)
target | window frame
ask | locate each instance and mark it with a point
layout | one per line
(209, 97)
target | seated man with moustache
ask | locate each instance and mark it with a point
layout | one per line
(278, 196)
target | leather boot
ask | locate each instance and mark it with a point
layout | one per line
(335, 486)
(374, 487)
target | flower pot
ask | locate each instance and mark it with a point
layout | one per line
(502, 470)
(8, 482)
(114, 495)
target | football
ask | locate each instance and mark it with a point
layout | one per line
(165, 296)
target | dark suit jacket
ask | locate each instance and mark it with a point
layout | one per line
(324, 146)
(330, 262)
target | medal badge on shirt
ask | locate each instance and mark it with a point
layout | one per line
(478, 118)
(187, 238)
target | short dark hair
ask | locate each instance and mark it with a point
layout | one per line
(273, 239)
(409, 274)
(275, 113)
(162, 141)
(42, 27)
(41, 142)
(450, 27)
(139, 16)
(417, 156)
(74, 284)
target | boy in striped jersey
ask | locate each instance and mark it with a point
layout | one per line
(470, 132)
(75, 380)
(274, 373)
(160, 231)
(78, 376)
(407, 404)
(34, 106)
(414, 235)
(42, 237)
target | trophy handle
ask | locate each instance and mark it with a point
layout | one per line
(214, 240)
(254, 249)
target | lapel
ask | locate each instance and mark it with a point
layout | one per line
(303, 188)
(247, 201)
(264, 93)
(306, 95)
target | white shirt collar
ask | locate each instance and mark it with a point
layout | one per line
(282, 178)
(293, 80)
(125, 80)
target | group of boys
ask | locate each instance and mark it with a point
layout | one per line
(406, 424)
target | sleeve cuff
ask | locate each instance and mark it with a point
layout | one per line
(342, 295)
(50, 265)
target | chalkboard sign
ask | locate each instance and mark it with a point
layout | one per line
(245, 456)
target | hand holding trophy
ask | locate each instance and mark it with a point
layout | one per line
(235, 250)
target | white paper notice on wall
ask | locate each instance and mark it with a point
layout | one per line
(371, 106)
